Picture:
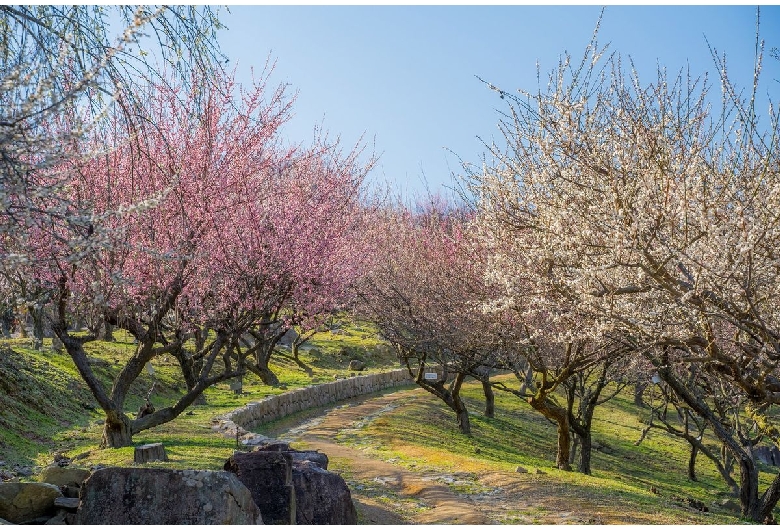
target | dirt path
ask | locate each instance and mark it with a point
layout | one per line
(388, 493)
(419, 500)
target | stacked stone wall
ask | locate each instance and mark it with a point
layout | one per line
(275, 407)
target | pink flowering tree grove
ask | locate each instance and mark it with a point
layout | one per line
(59, 58)
(316, 218)
(425, 290)
(226, 233)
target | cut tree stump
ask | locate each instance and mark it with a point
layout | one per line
(149, 452)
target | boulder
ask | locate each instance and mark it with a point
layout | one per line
(321, 497)
(60, 518)
(767, 455)
(64, 476)
(66, 503)
(731, 505)
(253, 440)
(357, 365)
(321, 459)
(22, 502)
(126, 496)
(288, 338)
(268, 475)
(272, 445)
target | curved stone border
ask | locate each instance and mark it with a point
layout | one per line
(239, 422)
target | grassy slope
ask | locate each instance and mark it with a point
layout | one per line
(422, 435)
(46, 408)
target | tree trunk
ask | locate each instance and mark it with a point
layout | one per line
(108, 332)
(560, 416)
(266, 375)
(692, 463)
(453, 399)
(464, 425)
(490, 399)
(22, 321)
(200, 338)
(6, 322)
(116, 431)
(37, 318)
(575, 444)
(451, 396)
(639, 392)
(149, 452)
(564, 441)
(586, 446)
(265, 342)
(188, 369)
(754, 507)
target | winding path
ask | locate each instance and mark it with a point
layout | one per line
(388, 493)
(439, 505)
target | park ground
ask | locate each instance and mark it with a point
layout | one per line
(400, 451)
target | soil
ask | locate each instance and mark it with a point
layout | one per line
(388, 493)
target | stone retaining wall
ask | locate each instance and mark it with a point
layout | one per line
(275, 407)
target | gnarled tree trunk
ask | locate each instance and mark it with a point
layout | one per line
(758, 508)
(117, 431)
(560, 416)
(490, 399)
(449, 394)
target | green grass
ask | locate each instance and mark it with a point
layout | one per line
(46, 408)
(422, 435)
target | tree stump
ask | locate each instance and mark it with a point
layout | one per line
(149, 452)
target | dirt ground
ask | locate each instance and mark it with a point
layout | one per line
(387, 493)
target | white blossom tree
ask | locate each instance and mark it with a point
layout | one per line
(654, 211)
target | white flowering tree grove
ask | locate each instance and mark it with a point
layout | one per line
(655, 210)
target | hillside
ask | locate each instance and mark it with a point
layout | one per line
(48, 410)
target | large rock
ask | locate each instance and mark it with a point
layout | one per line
(21, 502)
(356, 365)
(288, 338)
(321, 459)
(64, 476)
(114, 495)
(767, 455)
(268, 475)
(321, 497)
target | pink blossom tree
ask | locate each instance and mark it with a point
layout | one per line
(316, 215)
(425, 290)
(186, 262)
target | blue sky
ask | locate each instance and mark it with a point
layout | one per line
(404, 76)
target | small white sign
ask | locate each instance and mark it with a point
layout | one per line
(431, 376)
